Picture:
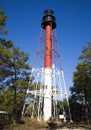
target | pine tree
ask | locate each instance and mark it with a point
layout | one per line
(81, 91)
(14, 76)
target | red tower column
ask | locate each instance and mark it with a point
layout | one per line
(48, 47)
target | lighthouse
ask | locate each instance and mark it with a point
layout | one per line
(48, 76)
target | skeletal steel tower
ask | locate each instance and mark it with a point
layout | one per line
(48, 75)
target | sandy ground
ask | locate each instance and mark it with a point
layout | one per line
(41, 128)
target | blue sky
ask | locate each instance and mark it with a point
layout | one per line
(73, 19)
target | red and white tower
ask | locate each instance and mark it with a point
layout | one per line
(48, 23)
(48, 74)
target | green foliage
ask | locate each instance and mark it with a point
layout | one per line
(77, 110)
(5, 58)
(85, 57)
(81, 91)
(6, 101)
(2, 22)
(14, 78)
